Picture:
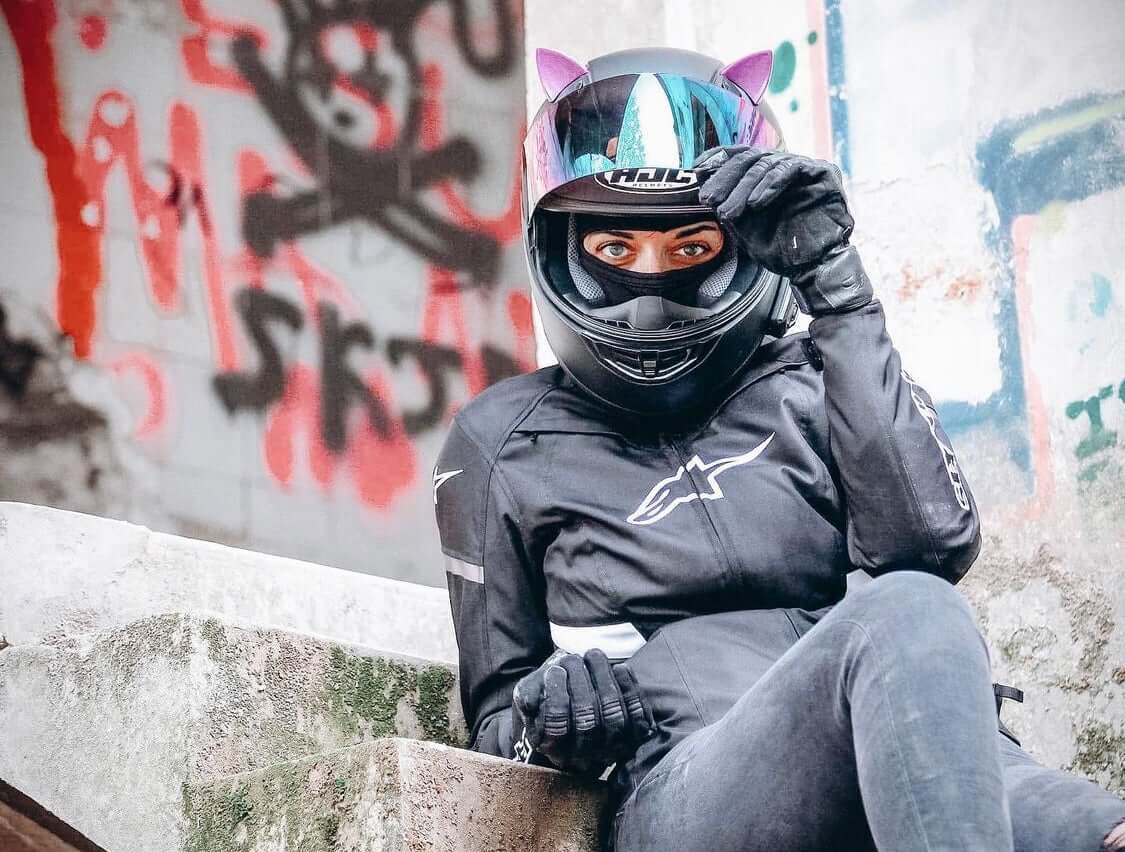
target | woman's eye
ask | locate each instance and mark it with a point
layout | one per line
(615, 250)
(693, 250)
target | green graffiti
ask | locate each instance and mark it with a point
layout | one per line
(811, 38)
(784, 67)
(1099, 438)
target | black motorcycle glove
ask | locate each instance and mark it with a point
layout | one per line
(790, 214)
(580, 713)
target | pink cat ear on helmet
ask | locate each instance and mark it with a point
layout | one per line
(556, 71)
(750, 73)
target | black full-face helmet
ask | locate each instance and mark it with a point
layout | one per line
(619, 139)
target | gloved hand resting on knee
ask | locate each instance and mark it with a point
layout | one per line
(579, 712)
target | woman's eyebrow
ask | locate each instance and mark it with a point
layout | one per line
(626, 234)
(694, 229)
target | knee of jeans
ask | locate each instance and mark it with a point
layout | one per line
(909, 600)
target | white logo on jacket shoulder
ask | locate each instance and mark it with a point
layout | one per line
(441, 478)
(659, 503)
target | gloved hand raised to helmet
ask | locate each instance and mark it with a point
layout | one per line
(790, 214)
(579, 712)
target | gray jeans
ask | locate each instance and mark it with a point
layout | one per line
(875, 731)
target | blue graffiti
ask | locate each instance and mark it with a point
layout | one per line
(837, 83)
(1102, 295)
(1063, 154)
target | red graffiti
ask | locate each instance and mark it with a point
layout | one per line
(79, 246)
(160, 212)
(145, 367)
(519, 314)
(196, 49)
(92, 31)
(379, 467)
(168, 193)
(347, 47)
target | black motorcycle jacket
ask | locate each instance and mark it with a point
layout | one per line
(702, 553)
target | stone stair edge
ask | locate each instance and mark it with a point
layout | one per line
(70, 573)
(84, 643)
(381, 744)
(218, 547)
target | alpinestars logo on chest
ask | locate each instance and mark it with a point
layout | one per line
(678, 489)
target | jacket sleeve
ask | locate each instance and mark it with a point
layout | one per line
(496, 589)
(907, 502)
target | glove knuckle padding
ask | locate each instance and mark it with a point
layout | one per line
(722, 184)
(556, 703)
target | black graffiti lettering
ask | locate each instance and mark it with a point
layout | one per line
(17, 360)
(340, 385)
(381, 185)
(256, 390)
(435, 362)
(498, 364)
(501, 61)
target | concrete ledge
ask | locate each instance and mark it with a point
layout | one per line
(394, 795)
(66, 574)
(104, 730)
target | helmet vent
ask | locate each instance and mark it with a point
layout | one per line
(649, 365)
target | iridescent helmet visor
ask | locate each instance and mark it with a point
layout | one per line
(630, 142)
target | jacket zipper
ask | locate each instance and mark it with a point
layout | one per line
(716, 539)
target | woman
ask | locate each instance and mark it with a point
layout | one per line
(647, 547)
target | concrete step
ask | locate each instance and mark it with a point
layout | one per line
(67, 574)
(105, 729)
(394, 795)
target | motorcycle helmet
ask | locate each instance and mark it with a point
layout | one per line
(616, 143)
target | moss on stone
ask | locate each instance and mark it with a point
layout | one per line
(327, 828)
(213, 819)
(1101, 753)
(364, 692)
(431, 705)
(224, 818)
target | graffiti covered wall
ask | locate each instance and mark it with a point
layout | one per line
(256, 255)
(984, 145)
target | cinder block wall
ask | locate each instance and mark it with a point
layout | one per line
(984, 146)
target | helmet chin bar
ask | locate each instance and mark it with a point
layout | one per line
(650, 313)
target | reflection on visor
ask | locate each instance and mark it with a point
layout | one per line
(636, 121)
